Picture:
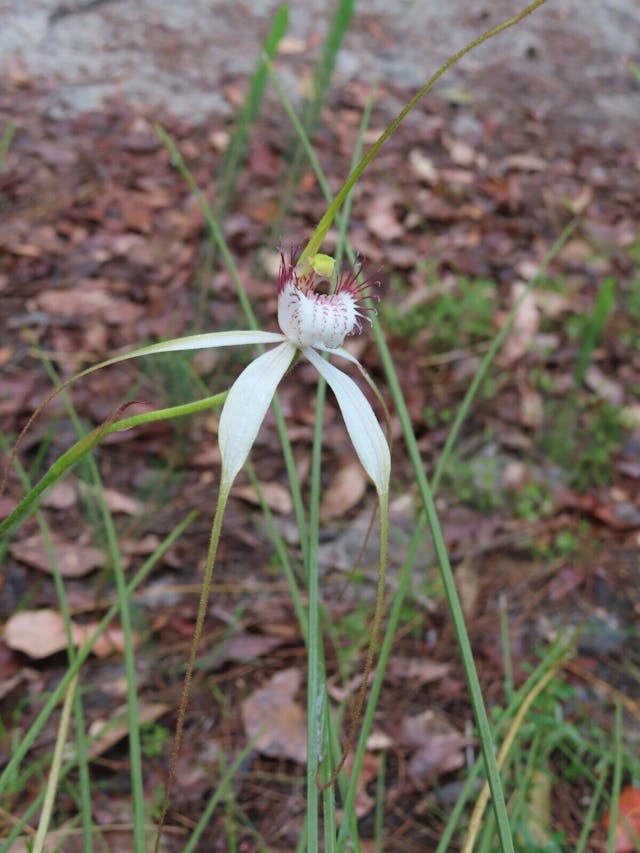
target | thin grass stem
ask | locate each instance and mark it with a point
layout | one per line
(56, 763)
(216, 528)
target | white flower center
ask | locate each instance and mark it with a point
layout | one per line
(311, 319)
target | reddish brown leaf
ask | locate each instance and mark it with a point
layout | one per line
(74, 559)
(628, 823)
(276, 721)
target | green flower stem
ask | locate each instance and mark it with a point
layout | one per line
(315, 657)
(56, 764)
(71, 457)
(216, 529)
(461, 414)
(325, 223)
(218, 236)
(27, 742)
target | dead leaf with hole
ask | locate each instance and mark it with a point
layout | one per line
(74, 560)
(274, 720)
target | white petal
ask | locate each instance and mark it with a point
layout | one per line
(209, 340)
(362, 425)
(246, 406)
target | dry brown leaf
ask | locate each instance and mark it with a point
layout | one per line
(136, 212)
(345, 491)
(90, 299)
(416, 670)
(381, 217)
(110, 641)
(108, 732)
(524, 327)
(443, 754)
(275, 720)
(37, 633)
(74, 560)
(62, 495)
(41, 633)
(423, 167)
(531, 407)
(278, 497)
(118, 502)
(242, 647)
(437, 747)
(604, 386)
(468, 584)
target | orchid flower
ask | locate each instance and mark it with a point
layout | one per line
(311, 323)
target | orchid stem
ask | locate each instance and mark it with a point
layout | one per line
(373, 642)
(216, 528)
(325, 223)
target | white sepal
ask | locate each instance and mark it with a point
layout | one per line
(362, 425)
(208, 340)
(246, 406)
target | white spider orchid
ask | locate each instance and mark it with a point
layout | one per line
(311, 323)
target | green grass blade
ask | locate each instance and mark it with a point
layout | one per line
(5, 142)
(222, 787)
(618, 762)
(594, 804)
(594, 327)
